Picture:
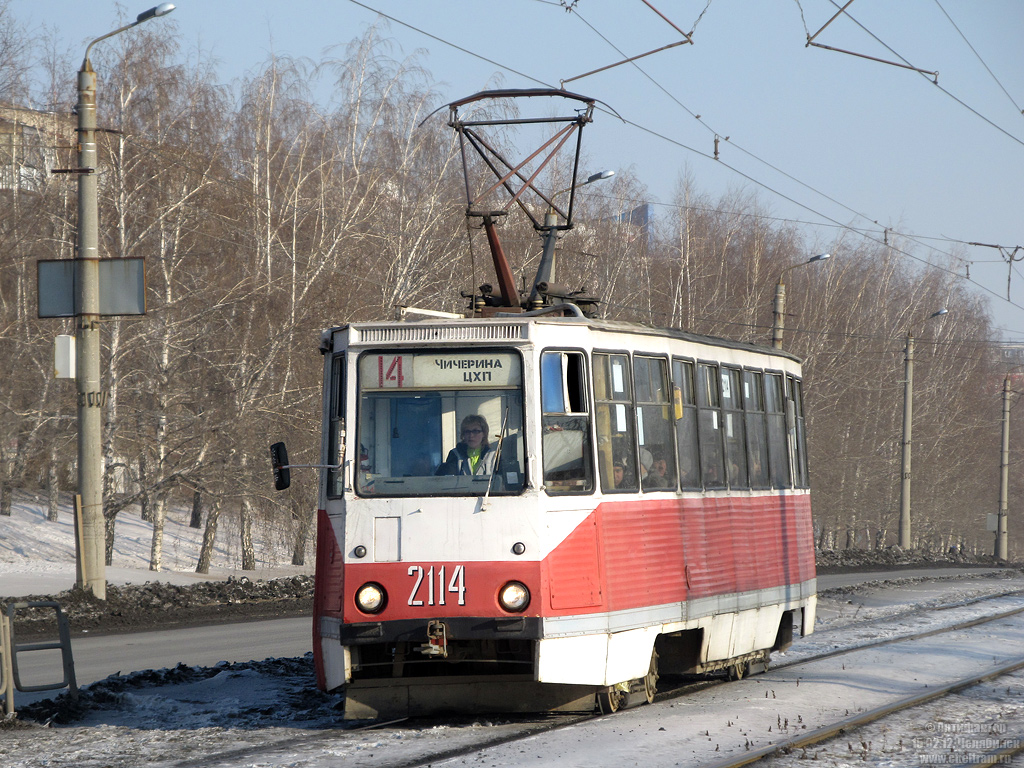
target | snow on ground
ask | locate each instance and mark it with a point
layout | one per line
(270, 714)
(37, 557)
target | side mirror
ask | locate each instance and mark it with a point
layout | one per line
(279, 461)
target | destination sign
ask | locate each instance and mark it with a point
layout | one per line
(440, 370)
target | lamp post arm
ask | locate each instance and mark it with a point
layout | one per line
(86, 66)
(158, 10)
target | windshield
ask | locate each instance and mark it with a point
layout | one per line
(440, 423)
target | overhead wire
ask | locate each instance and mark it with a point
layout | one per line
(978, 55)
(779, 170)
(705, 155)
(955, 98)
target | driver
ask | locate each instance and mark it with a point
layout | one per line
(473, 454)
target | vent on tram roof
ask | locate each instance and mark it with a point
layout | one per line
(421, 333)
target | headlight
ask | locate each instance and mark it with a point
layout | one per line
(514, 597)
(371, 598)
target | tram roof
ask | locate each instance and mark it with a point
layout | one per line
(611, 326)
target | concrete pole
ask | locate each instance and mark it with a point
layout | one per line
(91, 561)
(908, 427)
(780, 314)
(87, 343)
(1001, 550)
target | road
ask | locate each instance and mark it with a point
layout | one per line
(99, 657)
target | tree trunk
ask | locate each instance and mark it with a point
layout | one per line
(109, 521)
(144, 509)
(157, 550)
(52, 488)
(209, 537)
(301, 536)
(5, 498)
(196, 521)
(248, 553)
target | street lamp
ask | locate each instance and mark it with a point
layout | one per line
(908, 427)
(546, 267)
(780, 299)
(91, 560)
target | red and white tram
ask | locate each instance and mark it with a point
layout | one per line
(639, 504)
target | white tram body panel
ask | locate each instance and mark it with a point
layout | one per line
(709, 562)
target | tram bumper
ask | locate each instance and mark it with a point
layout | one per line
(416, 630)
(385, 699)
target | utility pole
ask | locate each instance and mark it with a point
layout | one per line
(908, 428)
(91, 397)
(1001, 548)
(92, 561)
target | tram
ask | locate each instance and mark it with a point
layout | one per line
(539, 510)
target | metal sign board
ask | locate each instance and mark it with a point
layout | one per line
(122, 287)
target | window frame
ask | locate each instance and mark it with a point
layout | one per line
(587, 402)
(630, 420)
(716, 411)
(667, 404)
(523, 394)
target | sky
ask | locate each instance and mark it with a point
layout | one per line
(843, 146)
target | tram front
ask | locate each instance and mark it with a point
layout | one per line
(428, 577)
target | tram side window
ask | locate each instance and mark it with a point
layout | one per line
(336, 427)
(654, 424)
(686, 423)
(757, 440)
(735, 440)
(800, 438)
(778, 442)
(709, 419)
(616, 426)
(565, 424)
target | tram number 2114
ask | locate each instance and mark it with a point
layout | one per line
(431, 584)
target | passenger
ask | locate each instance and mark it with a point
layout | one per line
(618, 474)
(658, 476)
(473, 454)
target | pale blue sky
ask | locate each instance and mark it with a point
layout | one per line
(884, 143)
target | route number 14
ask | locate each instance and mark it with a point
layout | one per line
(436, 596)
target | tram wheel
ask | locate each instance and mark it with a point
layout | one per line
(738, 670)
(611, 699)
(651, 679)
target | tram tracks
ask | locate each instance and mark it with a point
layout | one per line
(687, 688)
(513, 731)
(842, 727)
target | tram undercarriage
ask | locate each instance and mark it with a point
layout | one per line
(440, 674)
